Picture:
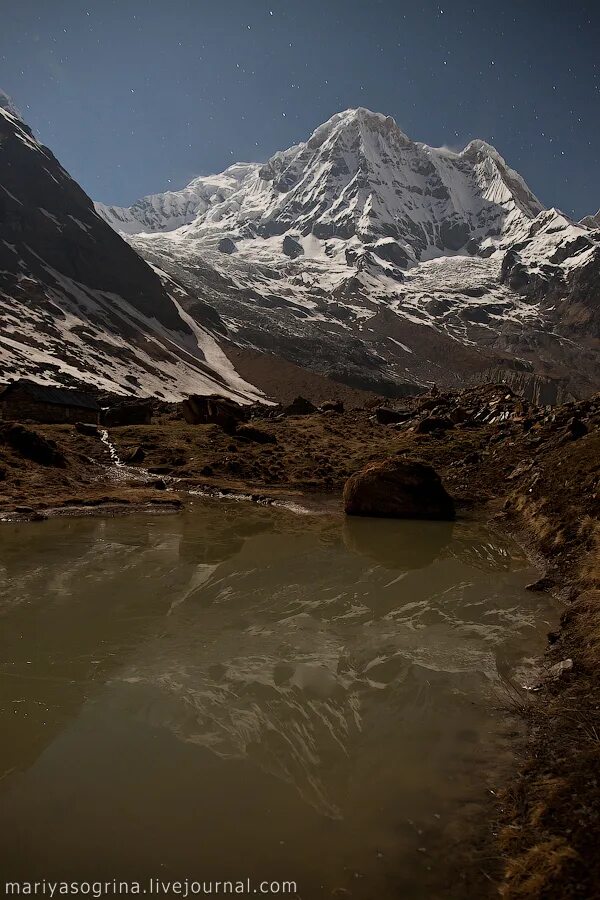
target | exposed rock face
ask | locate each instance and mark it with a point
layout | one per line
(397, 488)
(591, 221)
(291, 247)
(77, 303)
(226, 245)
(49, 221)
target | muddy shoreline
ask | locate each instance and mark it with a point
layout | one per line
(533, 475)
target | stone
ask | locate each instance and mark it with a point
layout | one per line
(32, 445)
(300, 407)
(137, 455)
(198, 409)
(576, 428)
(332, 406)
(255, 435)
(433, 423)
(565, 665)
(133, 411)
(386, 416)
(398, 488)
(87, 428)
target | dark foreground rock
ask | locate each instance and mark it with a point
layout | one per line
(255, 435)
(87, 428)
(397, 488)
(300, 407)
(32, 445)
(201, 410)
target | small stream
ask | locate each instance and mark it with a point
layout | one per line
(241, 692)
(118, 470)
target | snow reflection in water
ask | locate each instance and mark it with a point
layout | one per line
(309, 695)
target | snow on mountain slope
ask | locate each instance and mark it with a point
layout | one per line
(357, 176)
(170, 210)
(77, 304)
(373, 258)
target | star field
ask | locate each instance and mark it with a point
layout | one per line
(136, 96)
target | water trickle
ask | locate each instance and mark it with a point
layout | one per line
(114, 456)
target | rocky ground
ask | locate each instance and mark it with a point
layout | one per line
(535, 471)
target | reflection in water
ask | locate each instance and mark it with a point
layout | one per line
(241, 691)
(396, 543)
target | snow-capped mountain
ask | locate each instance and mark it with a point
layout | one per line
(168, 211)
(77, 304)
(378, 260)
(358, 176)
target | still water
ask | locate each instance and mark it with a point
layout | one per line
(241, 692)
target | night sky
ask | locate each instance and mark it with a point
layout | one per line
(138, 96)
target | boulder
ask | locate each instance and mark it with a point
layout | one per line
(133, 411)
(398, 488)
(576, 428)
(332, 406)
(32, 445)
(137, 455)
(433, 423)
(255, 435)
(87, 428)
(300, 407)
(201, 410)
(387, 416)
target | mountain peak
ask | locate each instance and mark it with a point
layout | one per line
(360, 117)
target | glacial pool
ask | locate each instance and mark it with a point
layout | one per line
(241, 692)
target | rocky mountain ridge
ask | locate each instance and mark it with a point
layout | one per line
(383, 262)
(77, 303)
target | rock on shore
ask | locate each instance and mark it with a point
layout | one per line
(398, 488)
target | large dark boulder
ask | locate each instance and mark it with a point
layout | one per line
(31, 445)
(213, 410)
(128, 412)
(386, 416)
(398, 488)
(87, 428)
(300, 407)
(332, 406)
